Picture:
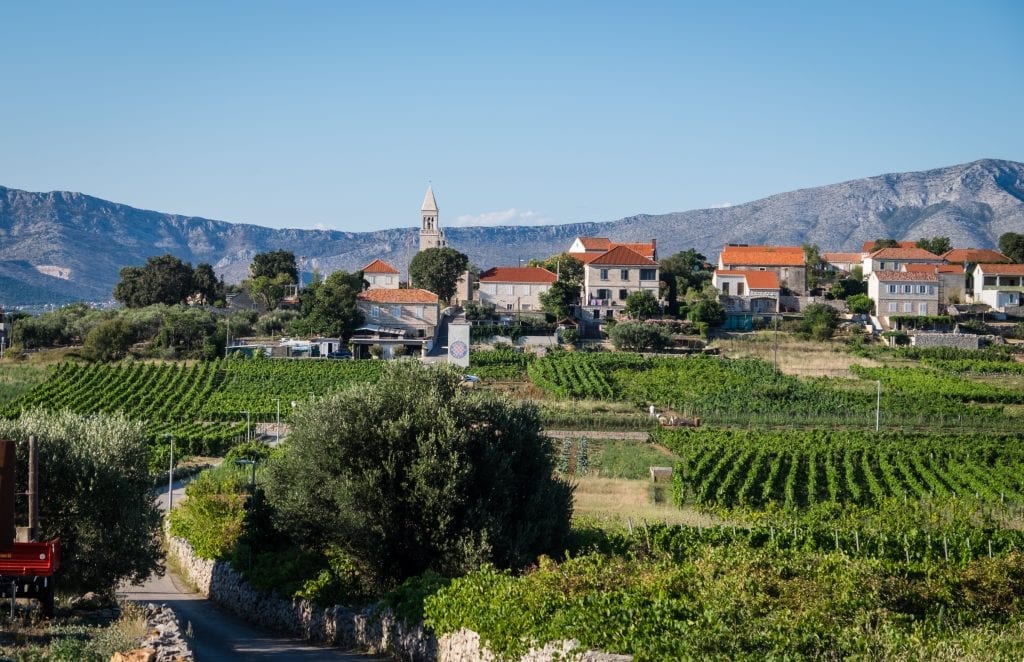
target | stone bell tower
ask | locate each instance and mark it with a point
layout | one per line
(431, 235)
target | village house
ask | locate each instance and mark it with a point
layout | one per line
(897, 293)
(610, 277)
(515, 289)
(951, 277)
(747, 291)
(999, 285)
(786, 262)
(586, 249)
(842, 262)
(393, 317)
(895, 259)
(380, 275)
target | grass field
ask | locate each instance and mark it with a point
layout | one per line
(16, 378)
(617, 502)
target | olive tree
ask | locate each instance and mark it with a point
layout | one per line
(95, 493)
(414, 473)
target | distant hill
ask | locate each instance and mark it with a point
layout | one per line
(61, 246)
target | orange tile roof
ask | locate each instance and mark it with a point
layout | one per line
(379, 266)
(517, 275)
(756, 280)
(950, 268)
(410, 295)
(868, 245)
(935, 268)
(912, 253)
(763, 256)
(620, 255)
(643, 248)
(596, 243)
(586, 258)
(975, 255)
(843, 257)
(911, 276)
(1002, 269)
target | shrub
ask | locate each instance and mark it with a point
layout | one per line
(570, 336)
(212, 518)
(637, 336)
(860, 304)
(413, 473)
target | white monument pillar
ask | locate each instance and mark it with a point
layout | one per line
(458, 344)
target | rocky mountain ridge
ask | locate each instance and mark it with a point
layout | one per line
(62, 246)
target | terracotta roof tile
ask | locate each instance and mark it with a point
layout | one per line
(756, 280)
(868, 245)
(763, 256)
(379, 266)
(620, 255)
(586, 258)
(843, 257)
(596, 243)
(975, 256)
(912, 253)
(906, 276)
(1002, 269)
(646, 249)
(410, 295)
(517, 275)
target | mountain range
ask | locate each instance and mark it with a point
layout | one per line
(60, 246)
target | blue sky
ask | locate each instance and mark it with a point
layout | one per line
(337, 114)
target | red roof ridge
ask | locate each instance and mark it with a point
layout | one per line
(379, 266)
(518, 275)
(624, 256)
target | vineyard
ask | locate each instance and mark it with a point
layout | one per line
(742, 392)
(205, 406)
(799, 469)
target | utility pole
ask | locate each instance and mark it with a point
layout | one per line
(277, 430)
(878, 406)
(170, 477)
(775, 359)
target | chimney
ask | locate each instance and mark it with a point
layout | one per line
(654, 249)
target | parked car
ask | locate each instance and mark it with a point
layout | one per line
(340, 354)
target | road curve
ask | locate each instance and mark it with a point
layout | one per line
(215, 634)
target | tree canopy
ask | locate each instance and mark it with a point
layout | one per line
(273, 263)
(329, 307)
(1011, 244)
(638, 337)
(641, 305)
(438, 270)
(559, 298)
(95, 493)
(568, 268)
(936, 245)
(681, 272)
(414, 473)
(164, 279)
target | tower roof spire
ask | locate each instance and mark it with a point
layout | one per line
(429, 204)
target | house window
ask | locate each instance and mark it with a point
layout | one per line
(892, 306)
(881, 266)
(892, 289)
(624, 274)
(648, 274)
(739, 289)
(922, 289)
(908, 306)
(604, 294)
(375, 312)
(922, 309)
(396, 311)
(623, 294)
(489, 288)
(907, 289)
(762, 268)
(419, 312)
(725, 287)
(526, 306)
(931, 289)
(508, 306)
(604, 274)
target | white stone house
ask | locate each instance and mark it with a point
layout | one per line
(380, 275)
(999, 285)
(611, 277)
(746, 291)
(911, 293)
(515, 289)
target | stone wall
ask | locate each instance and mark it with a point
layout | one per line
(377, 631)
(959, 340)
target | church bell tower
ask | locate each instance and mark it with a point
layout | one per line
(431, 235)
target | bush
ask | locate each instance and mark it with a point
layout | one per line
(414, 473)
(570, 336)
(860, 304)
(109, 340)
(638, 337)
(707, 311)
(212, 518)
(95, 493)
(819, 321)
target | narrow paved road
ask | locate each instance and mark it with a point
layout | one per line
(218, 635)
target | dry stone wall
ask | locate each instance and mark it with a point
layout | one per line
(372, 629)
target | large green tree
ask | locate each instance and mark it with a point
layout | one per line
(109, 340)
(638, 337)
(413, 473)
(559, 299)
(438, 270)
(95, 493)
(206, 285)
(1011, 245)
(164, 279)
(936, 245)
(568, 268)
(329, 308)
(274, 263)
(641, 305)
(680, 272)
